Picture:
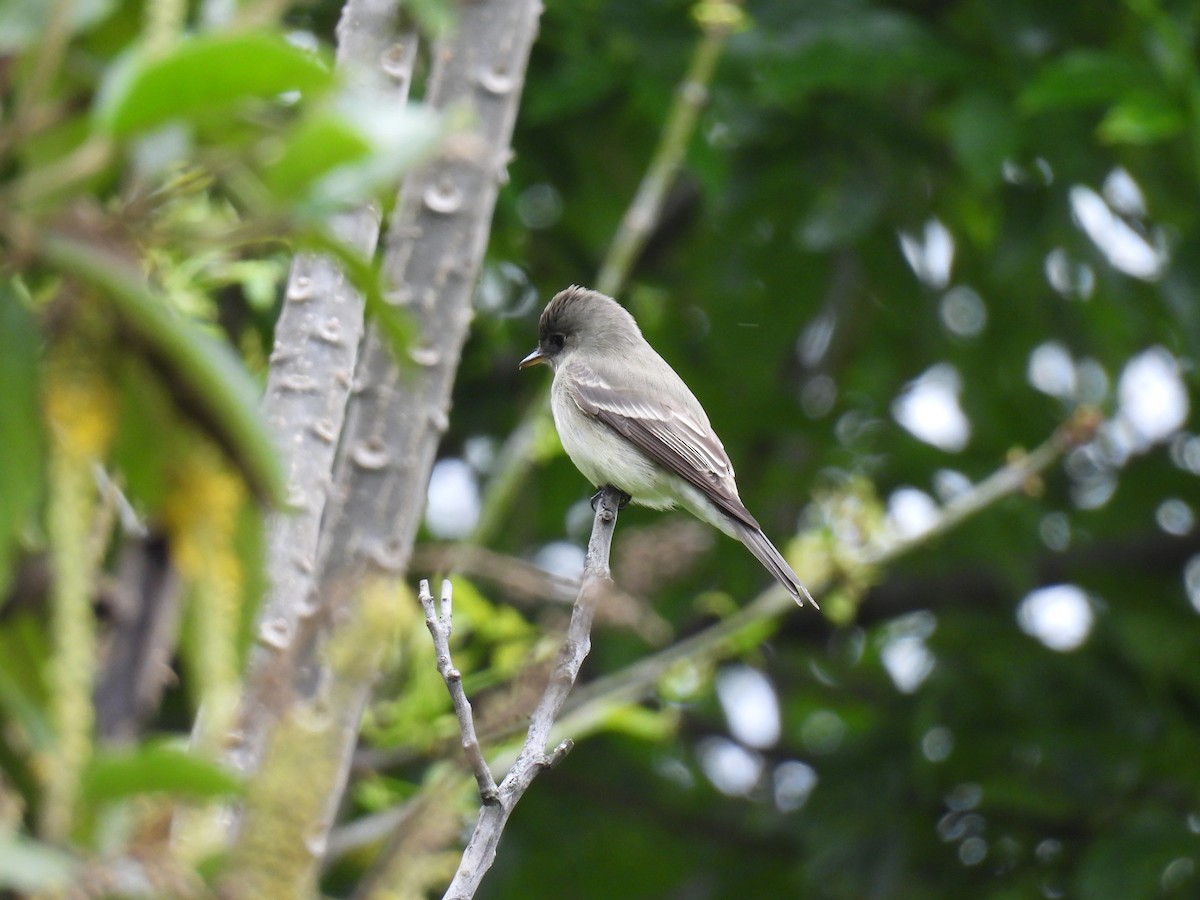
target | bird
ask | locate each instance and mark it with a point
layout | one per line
(626, 419)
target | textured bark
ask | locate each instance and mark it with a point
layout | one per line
(317, 340)
(323, 658)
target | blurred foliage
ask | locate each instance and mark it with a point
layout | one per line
(876, 189)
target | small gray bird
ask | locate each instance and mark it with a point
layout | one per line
(627, 420)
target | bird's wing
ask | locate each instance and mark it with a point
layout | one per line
(669, 434)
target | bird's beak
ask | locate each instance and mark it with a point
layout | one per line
(537, 356)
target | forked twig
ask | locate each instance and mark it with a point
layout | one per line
(499, 800)
(439, 621)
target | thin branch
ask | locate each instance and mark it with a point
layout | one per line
(1005, 481)
(532, 585)
(691, 96)
(480, 852)
(439, 621)
(51, 48)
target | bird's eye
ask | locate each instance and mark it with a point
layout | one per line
(558, 341)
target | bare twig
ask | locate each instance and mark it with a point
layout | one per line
(1005, 481)
(525, 582)
(47, 61)
(439, 621)
(480, 852)
(516, 576)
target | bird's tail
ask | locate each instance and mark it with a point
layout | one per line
(764, 551)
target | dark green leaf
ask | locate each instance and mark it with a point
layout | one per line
(858, 51)
(20, 423)
(843, 209)
(1131, 855)
(1085, 78)
(983, 132)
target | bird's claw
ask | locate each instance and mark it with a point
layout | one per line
(622, 498)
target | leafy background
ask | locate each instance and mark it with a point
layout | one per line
(876, 191)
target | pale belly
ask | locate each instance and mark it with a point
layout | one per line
(604, 457)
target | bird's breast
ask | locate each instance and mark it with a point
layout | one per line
(605, 457)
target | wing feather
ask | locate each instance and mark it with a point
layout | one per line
(670, 435)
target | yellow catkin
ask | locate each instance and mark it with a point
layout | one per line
(201, 515)
(80, 411)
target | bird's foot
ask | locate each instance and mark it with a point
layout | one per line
(622, 497)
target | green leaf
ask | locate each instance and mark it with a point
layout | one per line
(843, 209)
(318, 145)
(859, 51)
(27, 865)
(397, 135)
(203, 75)
(352, 150)
(20, 423)
(1131, 855)
(23, 652)
(148, 439)
(983, 133)
(641, 723)
(1085, 78)
(205, 376)
(154, 767)
(1142, 118)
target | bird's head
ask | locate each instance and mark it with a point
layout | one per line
(578, 317)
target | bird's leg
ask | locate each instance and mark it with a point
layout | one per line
(622, 497)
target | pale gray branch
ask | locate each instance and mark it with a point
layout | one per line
(317, 339)
(439, 620)
(434, 249)
(480, 852)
